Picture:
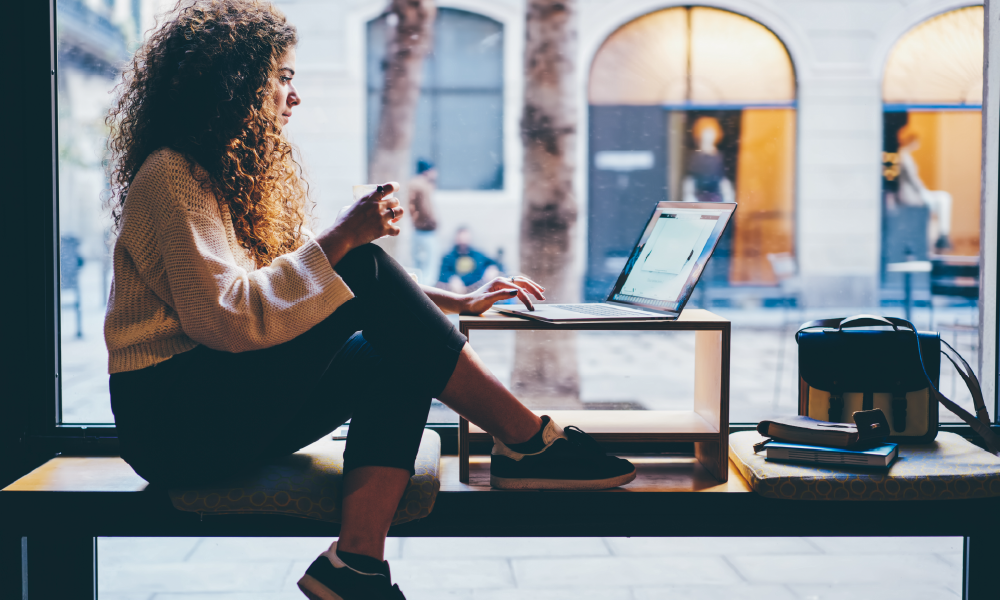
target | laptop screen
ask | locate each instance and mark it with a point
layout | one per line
(671, 254)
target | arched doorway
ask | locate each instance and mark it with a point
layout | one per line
(667, 90)
(932, 93)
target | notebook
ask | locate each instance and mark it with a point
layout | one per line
(879, 456)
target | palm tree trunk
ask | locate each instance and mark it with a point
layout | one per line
(410, 39)
(545, 366)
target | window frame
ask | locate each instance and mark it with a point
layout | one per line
(30, 427)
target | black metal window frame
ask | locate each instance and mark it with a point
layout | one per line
(30, 406)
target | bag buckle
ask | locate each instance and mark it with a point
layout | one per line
(899, 404)
(872, 425)
(836, 411)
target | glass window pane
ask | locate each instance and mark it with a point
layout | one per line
(92, 40)
(468, 51)
(470, 154)
(459, 121)
(768, 274)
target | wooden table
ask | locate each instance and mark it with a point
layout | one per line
(706, 424)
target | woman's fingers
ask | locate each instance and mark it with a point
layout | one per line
(523, 282)
(387, 189)
(505, 285)
(503, 294)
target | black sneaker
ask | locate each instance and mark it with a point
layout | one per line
(330, 578)
(570, 460)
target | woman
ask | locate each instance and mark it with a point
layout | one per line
(235, 336)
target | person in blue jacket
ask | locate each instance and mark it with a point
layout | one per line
(465, 267)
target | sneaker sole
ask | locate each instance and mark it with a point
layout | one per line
(314, 590)
(508, 483)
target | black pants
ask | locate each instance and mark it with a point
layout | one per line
(378, 360)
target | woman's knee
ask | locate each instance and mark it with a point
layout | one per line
(362, 264)
(365, 255)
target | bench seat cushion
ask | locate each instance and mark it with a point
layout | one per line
(307, 484)
(946, 469)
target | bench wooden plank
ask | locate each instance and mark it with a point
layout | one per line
(111, 474)
(81, 474)
(673, 496)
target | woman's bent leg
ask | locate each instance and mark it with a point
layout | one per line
(419, 341)
(370, 498)
(387, 424)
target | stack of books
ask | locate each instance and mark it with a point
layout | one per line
(878, 456)
(824, 444)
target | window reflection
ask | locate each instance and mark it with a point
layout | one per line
(460, 112)
(709, 95)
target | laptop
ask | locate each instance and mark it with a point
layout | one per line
(661, 272)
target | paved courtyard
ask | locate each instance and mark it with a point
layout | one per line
(549, 569)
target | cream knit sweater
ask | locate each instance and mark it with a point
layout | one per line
(181, 279)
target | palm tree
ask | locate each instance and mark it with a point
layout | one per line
(545, 367)
(410, 38)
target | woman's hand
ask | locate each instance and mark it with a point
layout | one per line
(501, 288)
(368, 219)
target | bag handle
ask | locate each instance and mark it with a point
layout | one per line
(855, 321)
(980, 425)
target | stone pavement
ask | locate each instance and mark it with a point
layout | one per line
(549, 569)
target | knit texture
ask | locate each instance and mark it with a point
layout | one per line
(181, 278)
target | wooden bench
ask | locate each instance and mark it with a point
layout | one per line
(54, 515)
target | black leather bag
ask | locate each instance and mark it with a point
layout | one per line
(846, 366)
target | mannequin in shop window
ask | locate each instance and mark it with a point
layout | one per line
(706, 179)
(913, 192)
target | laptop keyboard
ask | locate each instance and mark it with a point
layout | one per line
(598, 310)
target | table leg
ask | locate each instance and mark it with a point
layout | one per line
(463, 450)
(11, 566)
(981, 558)
(61, 566)
(908, 285)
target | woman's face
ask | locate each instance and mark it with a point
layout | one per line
(285, 94)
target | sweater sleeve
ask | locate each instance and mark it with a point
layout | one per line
(227, 307)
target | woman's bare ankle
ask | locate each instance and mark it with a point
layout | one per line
(366, 546)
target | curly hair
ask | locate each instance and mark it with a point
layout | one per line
(202, 85)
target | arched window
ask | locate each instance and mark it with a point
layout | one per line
(460, 114)
(932, 93)
(658, 83)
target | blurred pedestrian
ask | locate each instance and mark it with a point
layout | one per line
(421, 196)
(465, 268)
(913, 192)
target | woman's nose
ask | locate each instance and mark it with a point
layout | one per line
(293, 97)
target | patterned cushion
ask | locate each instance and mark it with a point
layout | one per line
(948, 468)
(307, 484)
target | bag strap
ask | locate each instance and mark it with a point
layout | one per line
(980, 425)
